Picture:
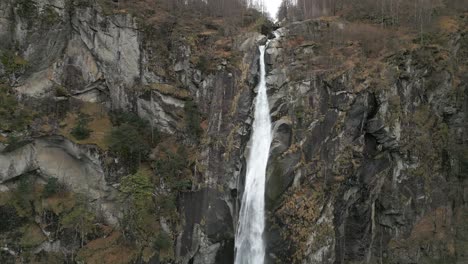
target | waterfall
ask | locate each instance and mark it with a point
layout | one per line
(250, 246)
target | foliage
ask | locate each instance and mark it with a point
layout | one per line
(119, 118)
(9, 218)
(50, 16)
(60, 91)
(81, 130)
(167, 205)
(203, 64)
(428, 139)
(27, 9)
(263, 25)
(100, 125)
(300, 213)
(193, 119)
(23, 195)
(172, 168)
(13, 63)
(163, 241)
(52, 187)
(139, 188)
(13, 116)
(126, 141)
(139, 220)
(79, 218)
(32, 236)
(172, 165)
(131, 139)
(108, 249)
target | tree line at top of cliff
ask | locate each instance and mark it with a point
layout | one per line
(385, 12)
(214, 8)
(379, 25)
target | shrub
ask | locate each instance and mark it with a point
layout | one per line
(141, 125)
(139, 188)
(171, 166)
(79, 219)
(81, 130)
(182, 185)
(27, 9)
(162, 241)
(264, 25)
(172, 169)
(50, 16)
(167, 205)
(23, 195)
(126, 141)
(9, 219)
(137, 194)
(51, 187)
(13, 116)
(13, 63)
(120, 118)
(193, 119)
(60, 91)
(203, 64)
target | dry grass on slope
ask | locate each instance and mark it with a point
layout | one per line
(100, 125)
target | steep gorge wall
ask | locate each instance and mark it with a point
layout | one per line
(367, 160)
(94, 57)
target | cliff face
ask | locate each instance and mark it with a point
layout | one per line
(368, 162)
(64, 59)
(367, 165)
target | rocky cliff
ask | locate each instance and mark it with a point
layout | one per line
(124, 132)
(368, 161)
(64, 62)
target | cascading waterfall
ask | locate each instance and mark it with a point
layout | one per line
(250, 246)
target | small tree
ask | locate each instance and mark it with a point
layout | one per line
(13, 115)
(129, 144)
(137, 195)
(81, 130)
(51, 187)
(23, 195)
(80, 219)
(193, 119)
(163, 241)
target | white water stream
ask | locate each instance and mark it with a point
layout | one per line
(250, 245)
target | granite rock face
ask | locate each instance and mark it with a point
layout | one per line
(360, 167)
(109, 59)
(78, 166)
(368, 159)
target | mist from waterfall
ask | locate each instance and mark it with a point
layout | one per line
(250, 244)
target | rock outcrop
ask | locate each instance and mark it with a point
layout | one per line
(77, 52)
(78, 167)
(365, 168)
